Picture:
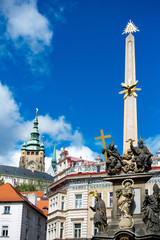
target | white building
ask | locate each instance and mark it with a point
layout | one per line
(19, 218)
(69, 215)
(69, 200)
(17, 176)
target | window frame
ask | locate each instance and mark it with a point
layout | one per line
(5, 231)
(79, 232)
(78, 201)
(61, 230)
(8, 211)
(110, 199)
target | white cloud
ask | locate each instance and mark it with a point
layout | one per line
(26, 25)
(82, 151)
(14, 129)
(10, 119)
(153, 143)
(47, 163)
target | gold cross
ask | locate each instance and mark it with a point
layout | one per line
(103, 142)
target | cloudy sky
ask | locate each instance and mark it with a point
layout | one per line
(66, 58)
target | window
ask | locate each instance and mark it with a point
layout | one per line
(98, 168)
(54, 230)
(4, 231)
(51, 203)
(49, 235)
(39, 221)
(56, 203)
(62, 203)
(36, 153)
(78, 202)
(146, 191)
(32, 153)
(26, 234)
(28, 214)
(6, 210)
(62, 206)
(61, 230)
(110, 199)
(77, 230)
(45, 208)
(28, 153)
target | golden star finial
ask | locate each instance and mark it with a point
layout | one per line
(130, 89)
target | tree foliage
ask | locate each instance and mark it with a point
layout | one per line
(24, 187)
(39, 185)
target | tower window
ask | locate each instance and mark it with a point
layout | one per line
(32, 153)
(36, 153)
(28, 153)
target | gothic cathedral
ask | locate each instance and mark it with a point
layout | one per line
(32, 152)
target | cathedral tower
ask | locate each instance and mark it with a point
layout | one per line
(32, 152)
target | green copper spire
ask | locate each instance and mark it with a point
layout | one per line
(54, 161)
(34, 143)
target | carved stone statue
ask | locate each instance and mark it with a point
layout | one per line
(114, 161)
(100, 218)
(142, 157)
(151, 210)
(125, 197)
(129, 162)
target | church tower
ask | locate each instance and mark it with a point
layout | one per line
(53, 167)
(54, 161)
(130, 96)
(32, 152)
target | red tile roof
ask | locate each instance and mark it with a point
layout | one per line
(9, 194)
(43, 204)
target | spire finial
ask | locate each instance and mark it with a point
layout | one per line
(36, 111)
(130, 28)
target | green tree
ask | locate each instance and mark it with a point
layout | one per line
(1, 180)
(24, 187)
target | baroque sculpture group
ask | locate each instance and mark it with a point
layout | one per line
(134, 216)
(138, 159)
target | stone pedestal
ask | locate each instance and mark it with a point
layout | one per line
(138, 231)
(139, 188)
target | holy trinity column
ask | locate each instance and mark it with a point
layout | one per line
(130, 103)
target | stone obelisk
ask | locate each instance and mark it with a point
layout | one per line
(130, 102)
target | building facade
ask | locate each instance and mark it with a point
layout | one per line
(69, 198)
(32, 152)
(20, 219)
(69, 214)
(17, 176)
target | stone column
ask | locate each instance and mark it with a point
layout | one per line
(130, 105)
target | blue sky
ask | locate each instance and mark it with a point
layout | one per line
(67, 59)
